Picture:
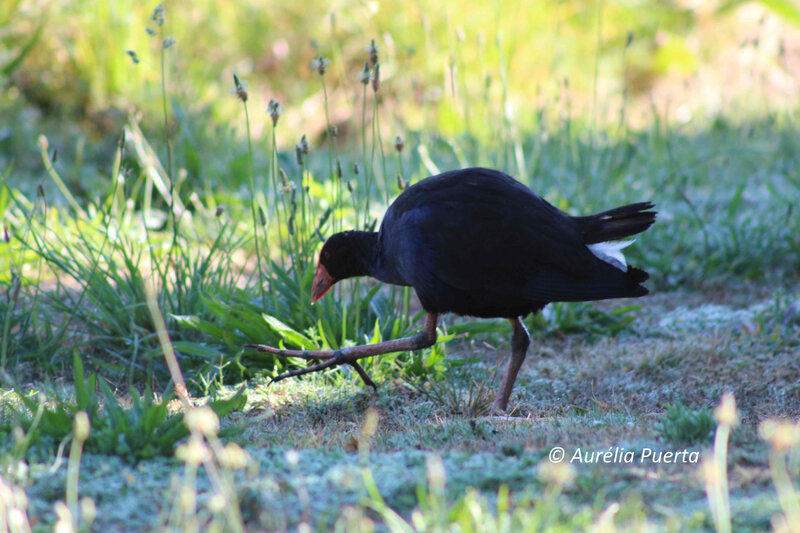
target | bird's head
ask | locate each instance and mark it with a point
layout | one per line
(344, 255)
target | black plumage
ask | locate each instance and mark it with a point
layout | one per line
(477, 242)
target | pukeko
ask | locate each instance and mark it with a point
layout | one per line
(477, 242)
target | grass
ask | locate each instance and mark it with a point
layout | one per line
(149, 272)
(593, 396)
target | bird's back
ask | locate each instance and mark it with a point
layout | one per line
(477, 242)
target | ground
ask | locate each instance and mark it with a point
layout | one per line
(576, 392)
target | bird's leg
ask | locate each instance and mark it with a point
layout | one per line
(364, 376)
(352, 354)
(519, 346)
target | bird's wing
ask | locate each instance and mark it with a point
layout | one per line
(492, 235)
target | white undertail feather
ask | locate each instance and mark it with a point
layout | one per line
(611, 253)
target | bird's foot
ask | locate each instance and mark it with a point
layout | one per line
(330, 362)
(328, 358)
(351, 355)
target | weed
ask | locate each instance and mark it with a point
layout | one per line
(683, 425)
(471, 400)
(562, 318)
(143, 430)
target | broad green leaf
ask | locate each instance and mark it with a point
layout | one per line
(234, 403)
(288, 334)
(195, 322)
(197, 349)
(376, 333)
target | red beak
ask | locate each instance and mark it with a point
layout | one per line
(322, 283)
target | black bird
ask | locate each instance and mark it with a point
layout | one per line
(477, 242)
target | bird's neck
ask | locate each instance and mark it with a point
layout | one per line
(364, 259)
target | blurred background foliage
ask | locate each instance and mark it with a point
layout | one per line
(443, 66)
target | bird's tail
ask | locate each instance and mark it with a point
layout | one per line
(617, 223)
